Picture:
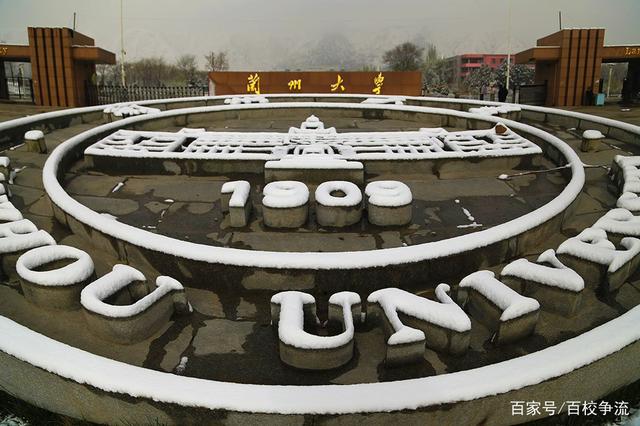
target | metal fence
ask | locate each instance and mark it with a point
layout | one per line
(19, 89)
(99, 95)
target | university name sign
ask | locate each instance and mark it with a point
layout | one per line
(262, 82)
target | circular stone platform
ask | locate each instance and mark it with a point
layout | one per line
(464, 219)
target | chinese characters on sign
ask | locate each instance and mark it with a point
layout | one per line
(3, 50)
(631, 51)
(573, 408)
(258, 83)
(338, 84)
(295, 84)
(378, 81)
(253, 83)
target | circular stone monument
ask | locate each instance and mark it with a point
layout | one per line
(446, 307)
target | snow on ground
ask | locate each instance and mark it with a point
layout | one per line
(117, 187)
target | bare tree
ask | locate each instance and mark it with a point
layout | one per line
(217, 61)
(404, 57)
(187, 68)
(150, 72)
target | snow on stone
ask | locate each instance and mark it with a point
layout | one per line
(468, 215)
(342, 260)
(5, 161)
(92, 296)
(109, 216)
(592, 134)
(623, 161)
(495, 110)
(592, 245)
(247, 99)
(353, 195)
(76, 272)
(285, 194)
(474, 143)
(20, 235)
(556, 275)
(33, 135)
(117, 187)
(503, 177)
(239, 191)
(291, 320)
(629, 201)
(114, 376)
(397, 100)
(444, 313)
(388, 193)
(192, 130)
(310, 139)
(511, 303)
(16, 147)
(619, 221)
(129, 109)
(182, 365)
(470, 225)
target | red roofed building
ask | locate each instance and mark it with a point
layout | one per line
(460, 66)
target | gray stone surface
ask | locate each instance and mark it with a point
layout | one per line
(221, 336)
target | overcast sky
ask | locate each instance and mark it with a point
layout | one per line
(278, 34)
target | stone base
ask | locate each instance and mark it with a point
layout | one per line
(438, 338)
(590, 145)
(396, 354)
(389, 216)
(239, 216)
(517, 328)
(489, 314)
(314, 176)
(53, 297)
(293, 217)
(597, 276)
(338, 216)
(38, 146)
(130, 330)
(552, 299)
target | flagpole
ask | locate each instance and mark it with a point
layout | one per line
(509, 45)
(122, 73)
